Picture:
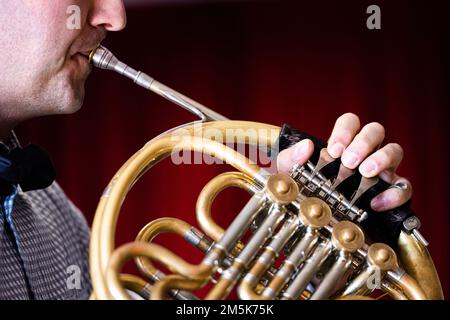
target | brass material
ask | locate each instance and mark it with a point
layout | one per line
(393, 291)
(225, 284)
(276, 199)
(297, 256)
(347, 236)
(149, 232)
(244, 259)
(278, 282)
(359, 284)
(355, 297)
(102, 238)
(210, 192)
(247, 287)
(137, 285)
(165, 225)
(172, 282)
(411, 288)
(416, 260)
(382, 256)
(282, 188)
(155, 252)
(314, 212)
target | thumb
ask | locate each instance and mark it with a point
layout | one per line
(297, 154)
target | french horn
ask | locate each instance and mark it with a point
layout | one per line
(303, 218)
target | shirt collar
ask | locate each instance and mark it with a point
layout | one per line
(11, 143)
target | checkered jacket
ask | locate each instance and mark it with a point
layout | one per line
(44, 244)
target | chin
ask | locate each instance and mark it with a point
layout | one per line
(70, 109)
(63, 94)
(69, 103)
(73, 106)
(72, 98)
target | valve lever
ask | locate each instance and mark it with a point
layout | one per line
(323, 161)
(343, 174)
(364, 185)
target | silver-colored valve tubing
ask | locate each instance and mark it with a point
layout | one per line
(328, 284)
(260, 237)
(312, 265)
(295, 258)
(241, 223)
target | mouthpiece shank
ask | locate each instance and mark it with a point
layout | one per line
(102, 58)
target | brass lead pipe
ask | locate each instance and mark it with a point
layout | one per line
(102, 58)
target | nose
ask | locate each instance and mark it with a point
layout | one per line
(109, 14)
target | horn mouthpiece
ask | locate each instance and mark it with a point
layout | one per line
(102, 58)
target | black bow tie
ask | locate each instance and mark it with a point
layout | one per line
(30, 167)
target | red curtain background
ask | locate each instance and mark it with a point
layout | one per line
(298, 62)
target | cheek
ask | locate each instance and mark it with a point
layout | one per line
(48, 22)
(46, 12)
(50, 36)
(48, 40)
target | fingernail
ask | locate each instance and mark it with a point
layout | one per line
(299, 150)
(368, 168)
(336, 150)
(378, 203)
(350, 159)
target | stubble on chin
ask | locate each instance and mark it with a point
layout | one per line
(63, 94)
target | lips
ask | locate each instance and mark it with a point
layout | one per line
(85, 53)
(85, 43)
(81, 64)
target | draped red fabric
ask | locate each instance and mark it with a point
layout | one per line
(300, 62)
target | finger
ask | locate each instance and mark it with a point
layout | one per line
(364, 143)
(387, 158)
(297, 154)
(394, 196)
(344, 131)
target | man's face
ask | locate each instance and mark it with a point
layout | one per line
(43, 66)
